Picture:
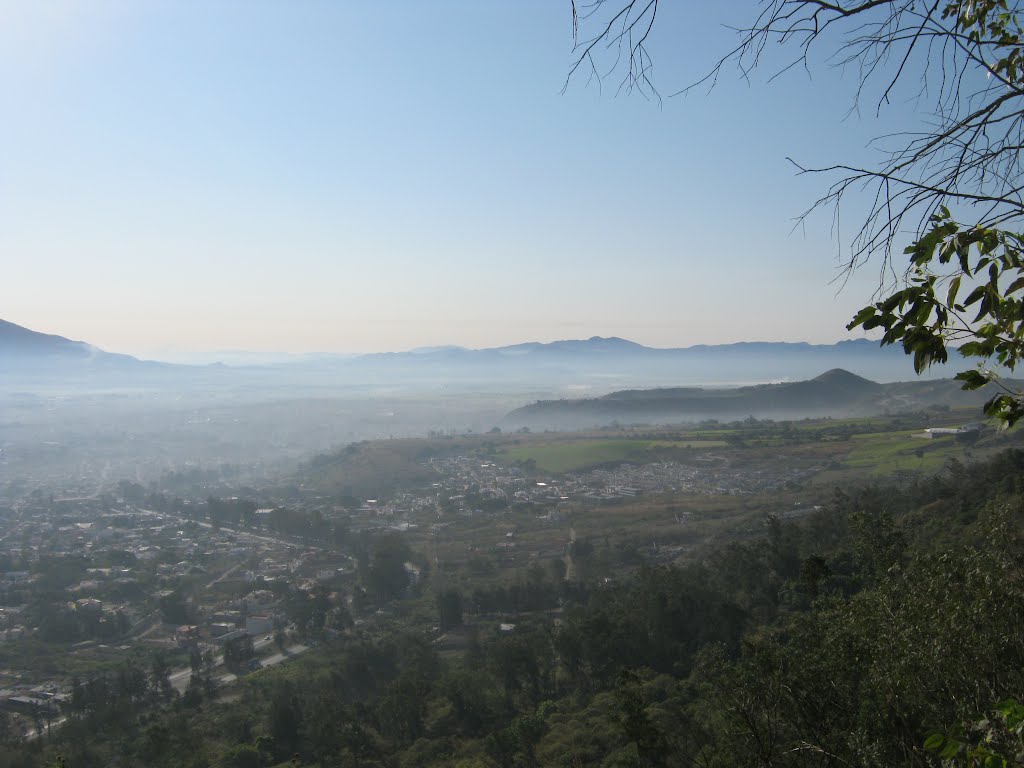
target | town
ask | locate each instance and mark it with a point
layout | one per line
(202, 577)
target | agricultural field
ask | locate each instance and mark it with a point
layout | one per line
(885, 453)
(868, 446)
(573, 455)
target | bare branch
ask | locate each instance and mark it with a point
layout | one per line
(955, 53)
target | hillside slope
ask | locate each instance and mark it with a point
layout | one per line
(834, 393)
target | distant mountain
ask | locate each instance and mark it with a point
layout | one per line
(602, 364)
(434, 350)
(595, 345)
(834, 393)
(20, 342)
(614, 346)
(26, 351)
(597, 365)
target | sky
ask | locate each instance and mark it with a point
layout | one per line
(331, 176)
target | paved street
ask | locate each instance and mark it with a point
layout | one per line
(180, 677)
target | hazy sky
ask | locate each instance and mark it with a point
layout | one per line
(342, 176)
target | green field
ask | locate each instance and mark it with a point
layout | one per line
(885, 452)
(574, 455)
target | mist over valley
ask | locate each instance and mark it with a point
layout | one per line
(75, 411)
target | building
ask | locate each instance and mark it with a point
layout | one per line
(258, 625)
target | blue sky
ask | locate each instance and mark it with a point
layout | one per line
(339, 176)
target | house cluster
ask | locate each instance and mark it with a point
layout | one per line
(105, 578)
(467, 479)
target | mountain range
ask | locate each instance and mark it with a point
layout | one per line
(595, 365)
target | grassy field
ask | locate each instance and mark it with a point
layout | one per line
(888, 452)
(573, 455)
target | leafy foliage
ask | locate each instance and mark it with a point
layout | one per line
(928, 313)
(992, 742)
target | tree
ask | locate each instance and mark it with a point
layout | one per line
(174, 609)
(310, 611)
(193, 696)
(651, 745)
(9, 733)
(201, 680)
(402, 710)
(243, 756)
(520, 737)
(387, 578)
(237, 652)
(952, 187)
(160, 670)
(449, 606)
(284, 720)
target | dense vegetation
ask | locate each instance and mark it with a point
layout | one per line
(887, 619)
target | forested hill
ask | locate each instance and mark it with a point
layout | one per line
(834, 393)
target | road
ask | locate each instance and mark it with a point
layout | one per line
(224, 575)
(180, 677)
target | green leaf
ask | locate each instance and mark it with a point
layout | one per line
(934, 742)
(950, 749)
(975, 296)
(861, 317)
(972, 379)
(954, 288)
